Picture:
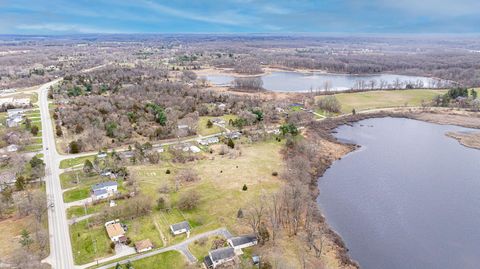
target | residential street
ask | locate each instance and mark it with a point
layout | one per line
(60, 247)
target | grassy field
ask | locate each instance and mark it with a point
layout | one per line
(89, 243)
(202, 128)
(382, 99)
(166, 260)
(76, 194)
(75, 161)
(200, 248)
(221, 182)
(10, 229)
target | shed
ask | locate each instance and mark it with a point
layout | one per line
(181, 227)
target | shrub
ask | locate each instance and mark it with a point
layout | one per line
(329, 103)
(112, 245)
(230, 143)
(275, 173)
(34, 130)
(240, 213)
(188, 201)
(167, 172)
(244, 188)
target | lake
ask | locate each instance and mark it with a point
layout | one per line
(301, 82)
(408, 198)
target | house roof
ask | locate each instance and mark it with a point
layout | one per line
(180, 226)
(241, 240)
(208, 262)
(222, 253)
(114, 230)
(144, 244)
(102, 185)
(98, 192)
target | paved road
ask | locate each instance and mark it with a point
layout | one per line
(60, 246)
(181, 247)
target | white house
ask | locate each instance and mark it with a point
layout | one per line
(104, 190)
(219, 256)
(180, 228)
(12, 148)
(14, 112)
(208, 141)
(115, 231)
(144, 245)
(243, 241)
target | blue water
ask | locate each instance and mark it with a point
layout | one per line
(302, 82)
(408, 198)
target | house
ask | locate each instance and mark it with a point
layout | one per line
(222, 106)
(182, 126)
(144, 245)
(12, 148)
(104, 190)
(194, 149)
(219, 256)
(218, 121)
(244, 241)
(208, 141)
(102, 155)
(233, 135)
(14, 112)
(14, 121)
(180, 228)
(115, 231)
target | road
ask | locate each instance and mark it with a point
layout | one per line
(60, 247)
(181, 247)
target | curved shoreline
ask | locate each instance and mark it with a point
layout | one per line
(324, 130)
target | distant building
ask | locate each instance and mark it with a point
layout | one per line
(12, 148)
(15, 111)
(195, 149)
(115, 231)
(219, 256)
(144, 245)
(222, 106)
(208, 141)
(104, 190)
(233, 135)
(102, 155)
(180, 228)
(241, 242)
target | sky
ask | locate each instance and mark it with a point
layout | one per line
(239, 16)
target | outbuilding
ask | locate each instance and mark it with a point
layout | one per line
(180, 228)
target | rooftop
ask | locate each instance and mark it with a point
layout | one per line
(104, 185)
(144, 244)
(114, 230)
(222, 253)
(180, 226)
(244, 239)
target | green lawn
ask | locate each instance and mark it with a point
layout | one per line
(33, 148)
(200, 248)
(89, 243)
(76, 194)
(144, 228)
(166, 260)
(78, 211)
(69, 179)
(202, 128)
(75, 161)
(382, 99)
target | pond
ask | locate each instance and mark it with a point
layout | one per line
(316, 81)
(408, 198)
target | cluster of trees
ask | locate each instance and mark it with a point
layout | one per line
(114, 107)
(248, 84)
(458, 97)
(329, 103)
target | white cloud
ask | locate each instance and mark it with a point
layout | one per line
(226, 17)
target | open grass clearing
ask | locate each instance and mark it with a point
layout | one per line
(76, 194)
(200, 248)
(383, 99)
(202, 128)
(67, 163)
(89, 243)
(166, 260)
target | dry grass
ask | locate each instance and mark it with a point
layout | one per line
(10, 230)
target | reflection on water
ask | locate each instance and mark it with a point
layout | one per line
(409, 199)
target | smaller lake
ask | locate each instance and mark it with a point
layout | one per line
(408, 198)
(284, 81)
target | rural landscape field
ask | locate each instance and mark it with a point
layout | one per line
(241, 134)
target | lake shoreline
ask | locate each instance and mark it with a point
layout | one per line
(324, 130)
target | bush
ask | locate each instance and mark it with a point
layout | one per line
(167, 172)
(75, 147)
(188, 201)
(240, 213)
(244, 188)
(34, 130)
(275, 173)
(112, 245)
(230, 143)
(329, 103)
